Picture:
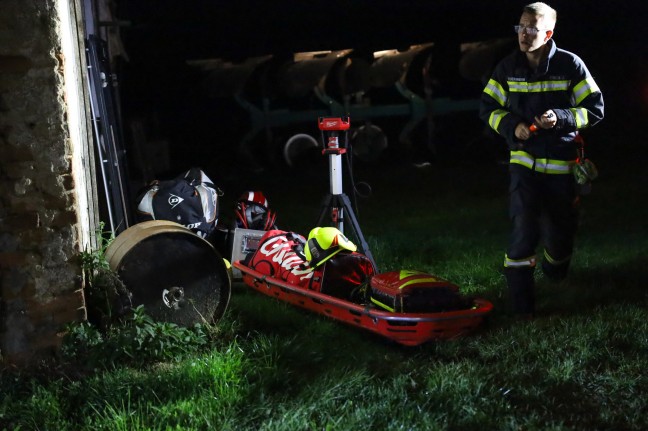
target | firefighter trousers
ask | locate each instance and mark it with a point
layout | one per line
(543, 210)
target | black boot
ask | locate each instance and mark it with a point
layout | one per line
(555, 272)
(521, 286)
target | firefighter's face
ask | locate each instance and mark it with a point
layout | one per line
(534, 32)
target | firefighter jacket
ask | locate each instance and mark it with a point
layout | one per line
(516, 93)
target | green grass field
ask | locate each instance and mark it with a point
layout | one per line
(581, 364)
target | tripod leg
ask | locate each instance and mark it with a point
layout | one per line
(346, 204)
(327, 206)
(342, 202)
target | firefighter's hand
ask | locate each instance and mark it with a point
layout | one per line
(522, 132)
(546, 120)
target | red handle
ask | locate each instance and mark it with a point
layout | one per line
(534, 128)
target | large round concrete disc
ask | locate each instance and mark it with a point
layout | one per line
(178, 276)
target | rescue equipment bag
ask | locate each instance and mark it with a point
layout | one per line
(407, 291)
(280, 255)
(191, 199)
(346, 276)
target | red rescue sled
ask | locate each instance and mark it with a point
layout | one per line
(409, 329)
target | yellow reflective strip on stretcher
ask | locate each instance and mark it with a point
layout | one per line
(380, 304)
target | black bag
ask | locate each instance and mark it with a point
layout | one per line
(346, 275)
(191, 200)
(415, 292)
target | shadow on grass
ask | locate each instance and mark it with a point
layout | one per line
(589, 288)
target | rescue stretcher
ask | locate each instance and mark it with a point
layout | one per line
(409, 329)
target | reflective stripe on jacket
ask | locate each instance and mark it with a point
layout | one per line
(545, 166)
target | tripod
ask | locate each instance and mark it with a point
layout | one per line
(336, 204)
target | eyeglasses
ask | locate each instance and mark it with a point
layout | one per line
(531, 31)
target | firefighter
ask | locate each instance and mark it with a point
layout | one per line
(537, 99)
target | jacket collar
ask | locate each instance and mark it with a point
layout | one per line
(543, 67)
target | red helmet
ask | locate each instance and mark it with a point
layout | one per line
(252, 212)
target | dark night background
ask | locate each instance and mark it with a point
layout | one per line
(161, 35)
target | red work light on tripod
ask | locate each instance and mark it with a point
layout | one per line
(336, 204)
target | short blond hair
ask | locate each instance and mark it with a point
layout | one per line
(543, 10)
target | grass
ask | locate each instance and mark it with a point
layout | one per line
(579, 366)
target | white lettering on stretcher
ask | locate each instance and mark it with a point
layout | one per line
(278, 249)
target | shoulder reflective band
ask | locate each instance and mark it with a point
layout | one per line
(537, 87)
(495, 90)
(495, 118)
(518, 263)
(545, 166)
(583, 89)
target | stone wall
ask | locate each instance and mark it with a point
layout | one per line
(41, 222)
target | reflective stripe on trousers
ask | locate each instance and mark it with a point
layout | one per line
(528, 262)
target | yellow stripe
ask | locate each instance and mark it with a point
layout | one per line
(381, 305)
(547, 166)
(537, 87)
(404, 273)
(553, 261)
(517, 263)
(495, 90)
(420, 280)
(580, 117)
(584, 89)
(495, 118)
